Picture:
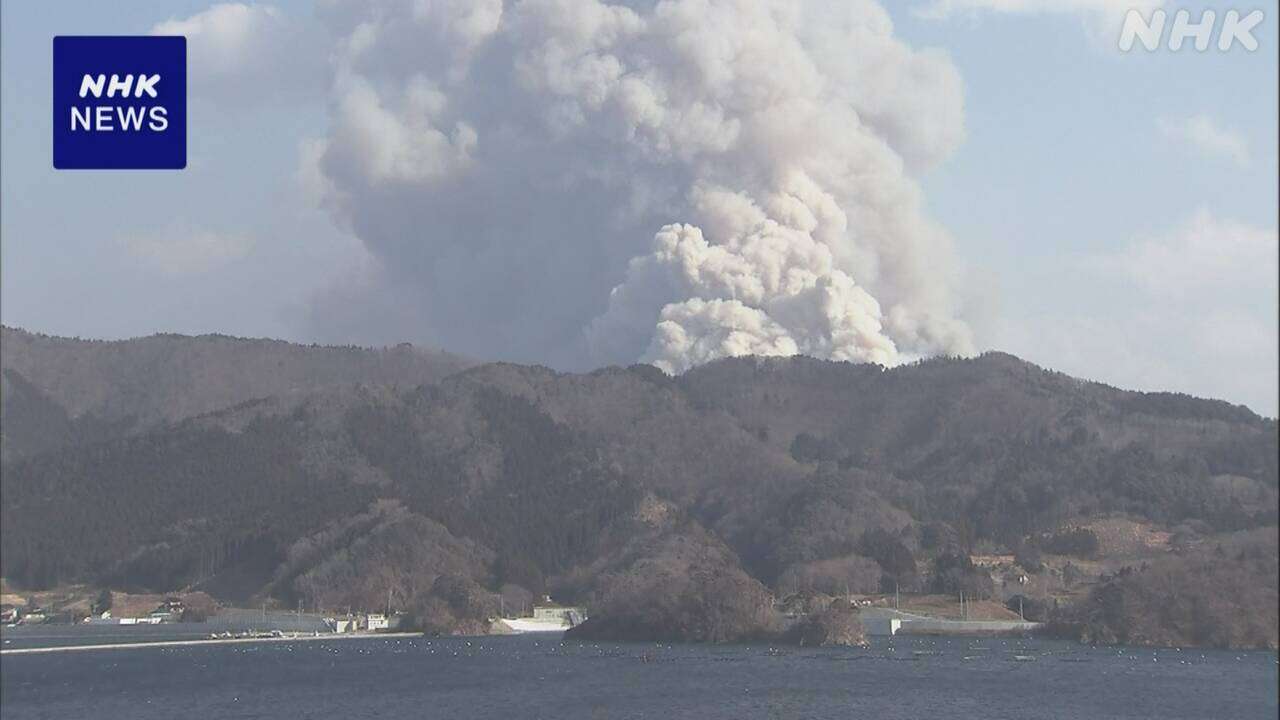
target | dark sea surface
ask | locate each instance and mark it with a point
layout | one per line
(543, 677)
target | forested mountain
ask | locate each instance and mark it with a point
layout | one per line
(661, 502)
(59, 391)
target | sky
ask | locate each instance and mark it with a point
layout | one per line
(576, 184)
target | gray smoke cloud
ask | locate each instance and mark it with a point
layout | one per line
(577, 182)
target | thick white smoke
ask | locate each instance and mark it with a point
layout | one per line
(578, 182)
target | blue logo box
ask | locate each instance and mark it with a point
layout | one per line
(119, 103)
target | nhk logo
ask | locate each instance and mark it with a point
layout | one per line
(119, 102)
(1235, 28)
(100, 117)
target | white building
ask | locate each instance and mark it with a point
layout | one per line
(566, 616)
(341, 625)
(377, 621)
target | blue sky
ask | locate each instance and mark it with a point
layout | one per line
(1065, 161)
(1114, 213)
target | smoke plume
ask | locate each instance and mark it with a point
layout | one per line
(576, 182)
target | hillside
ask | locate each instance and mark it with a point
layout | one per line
(59, 391)
(676, 507)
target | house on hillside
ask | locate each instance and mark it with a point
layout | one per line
(34, 616)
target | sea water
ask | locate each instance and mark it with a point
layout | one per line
(547, 677)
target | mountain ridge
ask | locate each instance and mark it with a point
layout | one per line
(106, 388)
(742, 478)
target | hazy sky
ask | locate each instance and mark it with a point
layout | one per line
(976, 174)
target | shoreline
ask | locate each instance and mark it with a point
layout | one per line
(204, 641)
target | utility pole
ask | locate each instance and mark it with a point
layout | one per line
(895, 593)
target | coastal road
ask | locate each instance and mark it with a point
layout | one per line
(207, 641)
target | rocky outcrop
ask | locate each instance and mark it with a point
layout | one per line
(838, 625)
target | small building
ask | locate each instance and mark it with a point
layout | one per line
(103, 619)
(559, 614)
(342, 624)
(8, 614)
(377, 621)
